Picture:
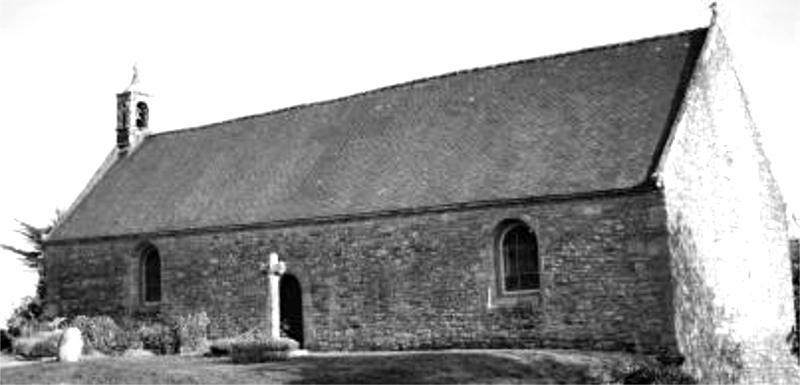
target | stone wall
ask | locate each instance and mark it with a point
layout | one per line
(424, 280)
(727, 234)
(794, 253)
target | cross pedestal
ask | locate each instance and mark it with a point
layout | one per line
(274, 270)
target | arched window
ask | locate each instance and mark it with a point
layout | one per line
(150, 275)
(519, 258)
(142, 114)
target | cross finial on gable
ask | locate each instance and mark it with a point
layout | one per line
(135, 78)
(135, 73)
(713, 8)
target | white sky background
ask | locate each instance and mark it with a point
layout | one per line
(62, 63)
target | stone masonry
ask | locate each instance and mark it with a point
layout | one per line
(418, 280)
(726, 218)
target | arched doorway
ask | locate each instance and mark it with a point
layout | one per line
(291, 308)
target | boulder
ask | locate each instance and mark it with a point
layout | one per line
(71, 345)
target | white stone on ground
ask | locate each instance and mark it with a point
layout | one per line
(70, 346)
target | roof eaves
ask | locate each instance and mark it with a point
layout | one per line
(641, 188)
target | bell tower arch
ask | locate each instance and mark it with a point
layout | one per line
(133, 114)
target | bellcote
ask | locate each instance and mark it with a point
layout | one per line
(133, 114)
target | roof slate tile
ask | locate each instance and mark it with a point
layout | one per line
(585, 121)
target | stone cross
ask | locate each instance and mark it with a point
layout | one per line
(274, 270)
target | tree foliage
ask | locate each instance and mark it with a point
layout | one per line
(35, 237)
(33, 258)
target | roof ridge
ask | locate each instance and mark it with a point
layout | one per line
(414, 82)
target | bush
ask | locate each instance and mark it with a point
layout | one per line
(127, 339)
(27, 319)
(262, 350)
(106, 336)
(221, 347)
(159, 338)
(102, 334)
(224, 346)
(794, 342)
(5, 340)
(655, 374)
(99, 333)
(32, 327)
(191, 331)
(44, 344)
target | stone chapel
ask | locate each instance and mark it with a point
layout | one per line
(612, 198)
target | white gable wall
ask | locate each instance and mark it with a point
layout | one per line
(728, 239)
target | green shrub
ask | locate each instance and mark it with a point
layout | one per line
(794, 342)
(32, 327)
(43, 344)
(655, 374)
(262, 350)
(99, 333)
(103, 334)
(5, 340)
(127, 339)
(192, 331)
(224, 346)
(221, 346)
(26, 319)
(158, 337)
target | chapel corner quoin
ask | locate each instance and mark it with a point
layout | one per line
(565, 201)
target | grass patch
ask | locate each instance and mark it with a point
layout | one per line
(145, 370)
(382, 368)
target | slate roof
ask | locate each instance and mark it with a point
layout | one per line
(590, 120)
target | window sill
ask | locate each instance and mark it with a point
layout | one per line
(149, 307)
(527, 298)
